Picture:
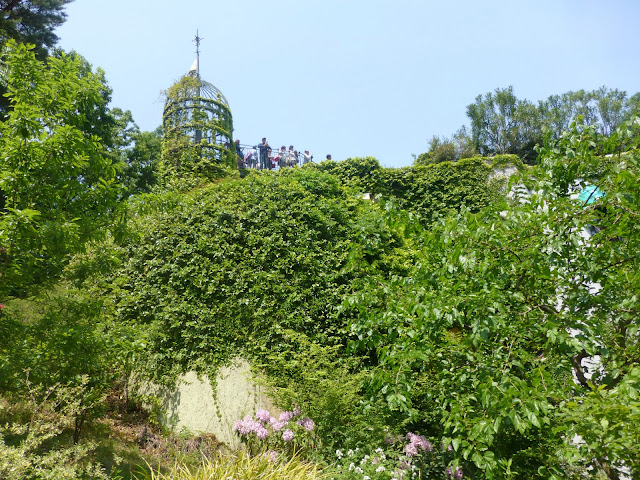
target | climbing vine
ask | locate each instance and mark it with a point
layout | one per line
(198, 132)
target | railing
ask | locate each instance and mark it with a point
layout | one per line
(261, 158)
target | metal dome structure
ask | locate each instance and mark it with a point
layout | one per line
(208, 90)
(197, 126)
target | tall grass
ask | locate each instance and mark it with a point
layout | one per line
(242, 466)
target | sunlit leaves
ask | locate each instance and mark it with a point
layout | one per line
(56, 178)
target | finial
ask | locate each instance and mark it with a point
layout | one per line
(197, 42)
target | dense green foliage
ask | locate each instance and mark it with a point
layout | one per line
(32, 21)
(444, 149)
(504, 330)
(29, 21)
(57, 176)
(480, 342)
(142, 158)
(229, 267)
(430, 190)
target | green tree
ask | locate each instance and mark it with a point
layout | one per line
(142, 158)
(32, 21)
(137, 152)
(57, 176)
(481, 342)
(502, 124)
(603, 107)
(440, 150)
(633, 107)
(444, 149)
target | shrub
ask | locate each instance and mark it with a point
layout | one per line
(33, 444)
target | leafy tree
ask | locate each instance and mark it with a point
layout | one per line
(603, 107)
(57, 176)
(29, 22)
(502, 124)
(140, 174)
(610, 105)
(440, 150)
(58, 339)
(481, 342)
(32, 21)
(444, 149)
(138, 152)
(633, 107)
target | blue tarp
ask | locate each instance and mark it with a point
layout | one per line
(590, 194)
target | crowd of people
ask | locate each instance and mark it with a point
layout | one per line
(263, 157)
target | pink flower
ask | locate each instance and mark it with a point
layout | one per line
(286, 416)
(276, 425)
(297, 411)
(287, 436)
(244, 427)
(263, 415)
(420, 441)
(307, 424)
(261, 432)
(411, 449)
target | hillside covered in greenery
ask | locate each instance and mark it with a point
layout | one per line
(472, 317)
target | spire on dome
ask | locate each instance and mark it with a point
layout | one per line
(195, 68)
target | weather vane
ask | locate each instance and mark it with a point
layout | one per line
(197, 42)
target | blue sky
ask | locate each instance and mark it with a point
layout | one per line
(355, 78)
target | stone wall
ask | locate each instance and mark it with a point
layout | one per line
(192, 405)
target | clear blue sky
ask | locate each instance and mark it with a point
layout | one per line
(355, 77)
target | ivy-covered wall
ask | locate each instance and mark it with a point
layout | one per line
(428, 190)
(225, 270)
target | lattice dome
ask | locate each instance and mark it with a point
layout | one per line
(197, 112)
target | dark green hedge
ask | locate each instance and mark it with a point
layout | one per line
(427, 190)
(231, 266)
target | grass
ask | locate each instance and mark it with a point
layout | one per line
(240, 466)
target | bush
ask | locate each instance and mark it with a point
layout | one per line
(33, 443)
(226, 269)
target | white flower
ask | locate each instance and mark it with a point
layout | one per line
(350, 453)
(364, 459)
(351, 466)
(338, 454)
(366, 477)
(380, 469)
(359, 470)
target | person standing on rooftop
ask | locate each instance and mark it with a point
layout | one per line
(265, 162)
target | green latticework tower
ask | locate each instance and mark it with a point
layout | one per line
(198, 129)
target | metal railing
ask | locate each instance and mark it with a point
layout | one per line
(265, 158)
